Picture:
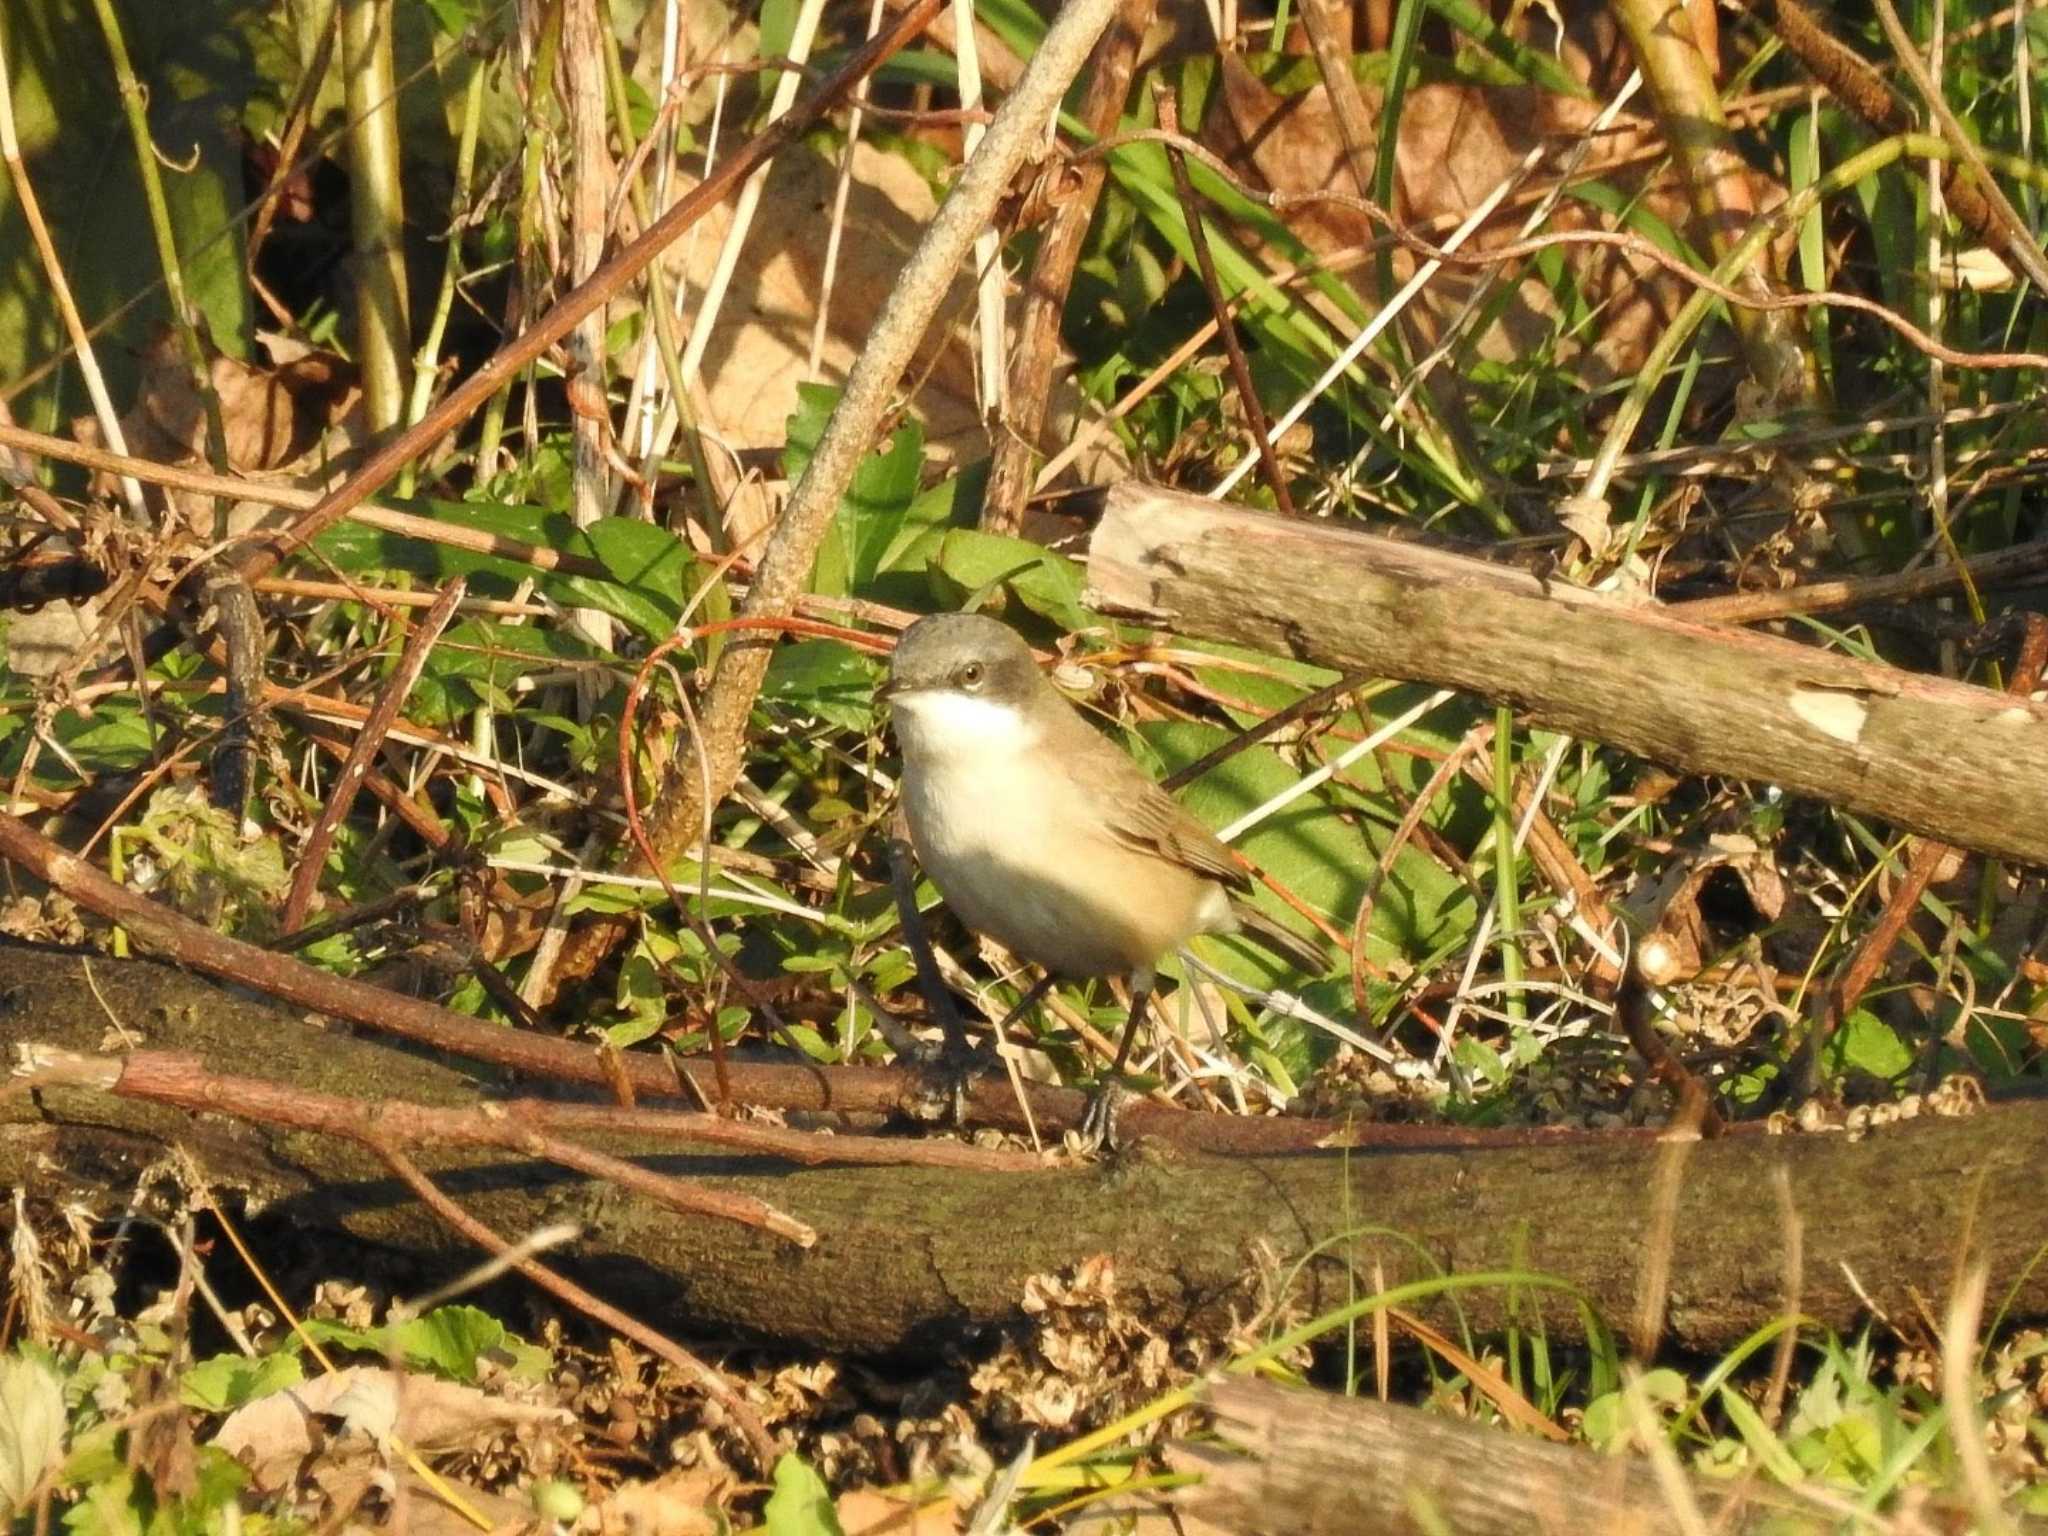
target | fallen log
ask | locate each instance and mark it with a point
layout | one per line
(1302, 1463)
(1964, 764)
(908, 1254)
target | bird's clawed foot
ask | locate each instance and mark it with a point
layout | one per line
(945, 1073)
(1097, 1131)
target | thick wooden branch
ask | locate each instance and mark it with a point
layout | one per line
(1956, 762)
(1302, 1463)
(906, 1253)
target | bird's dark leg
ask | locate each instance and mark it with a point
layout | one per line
(903, 886)
(1025, 1004)
(1141, 996)
(1098, 1123)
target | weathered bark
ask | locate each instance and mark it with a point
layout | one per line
(909, 1253)
(1964, 764)
(1314, 1464)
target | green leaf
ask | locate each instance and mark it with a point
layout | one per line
(641, 997)
(1319, 854)
(1865, 1043)
(1608, 1423)
(823, 678)
(1531, 64)
(648, 562)
(229, 1381)
(800, 1504)
(115, 1505)
(649, 567)
(1756, 1434)
(479, 661)
(451, 1340)
(970, 564)
(778, 26)
(1481, 1061)
(876, 503)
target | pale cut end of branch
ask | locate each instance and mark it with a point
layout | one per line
(49, 1066)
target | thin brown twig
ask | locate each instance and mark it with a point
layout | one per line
(2017, 564)
(369, 741)
(1052, 273)
(390, 519)
(723, 1391)
(298, 116)
(1205, 263)
(182, 1082)
(584, 299)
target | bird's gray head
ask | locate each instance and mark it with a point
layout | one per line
(963, 653)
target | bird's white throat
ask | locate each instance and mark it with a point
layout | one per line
(947, 727)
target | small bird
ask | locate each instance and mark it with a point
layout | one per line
(1039, 832)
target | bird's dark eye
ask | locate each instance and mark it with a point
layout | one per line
(972, 675)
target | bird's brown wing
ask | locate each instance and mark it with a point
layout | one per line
(1141, 815)
(1152, 821)
(1136, 812)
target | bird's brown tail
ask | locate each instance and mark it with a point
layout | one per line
(1306, 956)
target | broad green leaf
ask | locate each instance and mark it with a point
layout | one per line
(1865, 1043)
(1756, 1434)
(823, 678)
(1608, 1424)
(451, 1340)
(641, 997)
(1320, 855)
(800, 1504)
(650, 567)
(229, 1381)
(480, 662)
(970, 565)
(872, 511)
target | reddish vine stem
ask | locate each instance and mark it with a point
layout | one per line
(636, 826)
(182, 1082)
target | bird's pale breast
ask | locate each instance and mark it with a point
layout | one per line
(1019, 854)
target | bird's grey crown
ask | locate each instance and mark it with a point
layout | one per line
(967, 651)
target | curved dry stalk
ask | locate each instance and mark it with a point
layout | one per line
(785, 566)
(590, 408)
